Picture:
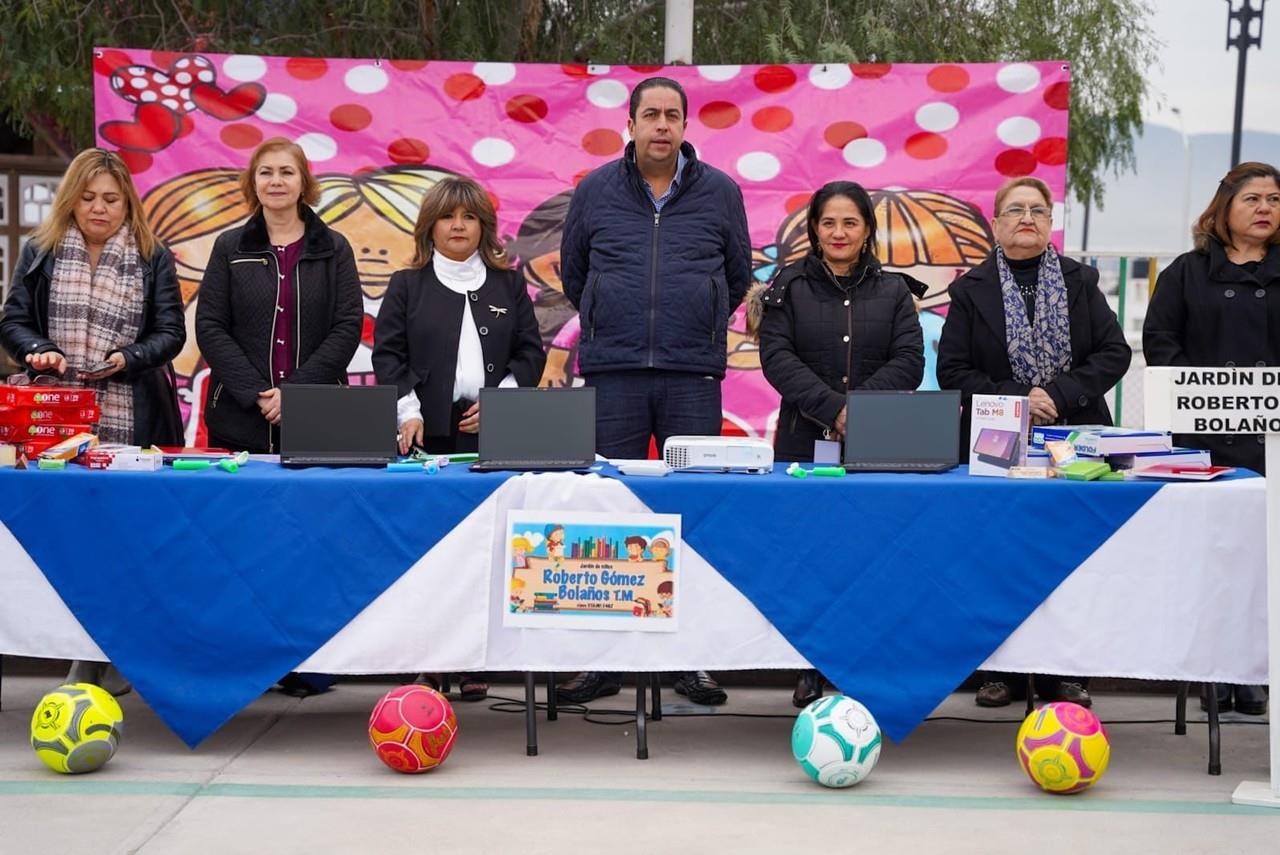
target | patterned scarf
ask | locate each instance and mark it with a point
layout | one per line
(94, 313)
(1037, 353)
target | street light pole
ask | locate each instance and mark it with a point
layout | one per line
(1242, 41)
(1185, 222)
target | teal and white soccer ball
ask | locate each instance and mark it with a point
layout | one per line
(836, 741)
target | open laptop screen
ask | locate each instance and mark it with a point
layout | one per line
(337, 421)
(538, 424)
(895, 427)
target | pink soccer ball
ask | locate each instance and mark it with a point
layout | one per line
(412, 729)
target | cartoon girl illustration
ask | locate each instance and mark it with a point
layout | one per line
(537, 251)
(520, 549)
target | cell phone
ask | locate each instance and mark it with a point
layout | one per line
(105, 365)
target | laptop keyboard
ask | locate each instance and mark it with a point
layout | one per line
(921, 466)
(534, 464)
(339, 461)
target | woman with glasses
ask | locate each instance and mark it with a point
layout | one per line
(95, 300)
(1219, 304)
(1030, 322)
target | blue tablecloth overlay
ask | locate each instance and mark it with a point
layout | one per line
(894, 586)
(205, 587)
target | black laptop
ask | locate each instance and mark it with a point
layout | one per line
(902, 431)
(527, 429)
(337, 425)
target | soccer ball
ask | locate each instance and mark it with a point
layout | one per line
(76, 728)
(412, 728)
(836, 741)
(1063, 748)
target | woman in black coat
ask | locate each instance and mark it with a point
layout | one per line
(457, 320)
(833, 322)
(95, 291)
(279, 303)
(830, 323)
(1220, 305)
(1028, 322)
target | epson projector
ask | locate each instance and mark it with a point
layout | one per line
(718, 454)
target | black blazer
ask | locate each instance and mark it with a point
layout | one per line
(415, 339)
(973, 354)
(1208, 311)
(24, 330)
(235, 319)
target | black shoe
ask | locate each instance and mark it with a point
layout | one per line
(1224, 698)
(698, 687)
(808, 689)
(304, 685)
(1075, 693)
(1251, 700)
(587, 686)
(993, 695)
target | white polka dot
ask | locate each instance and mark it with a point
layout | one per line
(182, 63)
(758, 166)
(200, 61)
(277, 108)
(834, 75)
(895, 188)
(597, 69)
(182, 77)
(171, 103)
(1059, 212)
(188, 105)
(243, 67)
(1018, 131)
(136, 69)
(148, 96)
(495, 73)
(366, 79)
(1018, 77)
(205, 76)
(937, 116)
(318, 146)
(169, 89)
(184, 92)
(492, 151)
(864, 152)
(607, 94)
(138, 83)
(719, 73)
(116, 82)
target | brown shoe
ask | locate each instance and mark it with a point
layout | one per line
(1074, 693)
(993, 695)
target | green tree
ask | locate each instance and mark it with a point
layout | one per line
(46, 53)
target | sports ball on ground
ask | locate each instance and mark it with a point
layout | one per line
(76, 728)
(412, 728)
(836, 741)
(1063, 748)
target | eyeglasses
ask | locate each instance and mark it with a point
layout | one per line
(69, 377)
(1017, 212)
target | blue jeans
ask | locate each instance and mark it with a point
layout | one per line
(632, 406)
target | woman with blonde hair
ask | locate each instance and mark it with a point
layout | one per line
(279, 302)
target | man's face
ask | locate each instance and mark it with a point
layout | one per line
(634, 550)
(658, 128)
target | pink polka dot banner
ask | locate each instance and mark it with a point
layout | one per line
(931, 142)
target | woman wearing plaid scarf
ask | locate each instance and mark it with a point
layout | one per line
(1030, 322)
(95, 300)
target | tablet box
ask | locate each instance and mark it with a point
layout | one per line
(1122, 441)
(999, 426)
(129, 458)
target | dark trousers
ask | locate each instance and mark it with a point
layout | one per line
(1046, 684)
(632, 406)
(456, 442)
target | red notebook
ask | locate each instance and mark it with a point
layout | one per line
(1172, 471)
(173, 452)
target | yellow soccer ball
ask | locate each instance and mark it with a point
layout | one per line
(76, 728)
(1063, 748)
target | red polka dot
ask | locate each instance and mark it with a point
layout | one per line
(136, 161)
(110, 61)
(494, 201)
(185, 125)
(1058, 95)
(408, 150)
(926, 146)
(602, 142)
(719, 114)
(368, 167)
(772, 119)
(367, 330)
(840, 134)
(573, 70)
(577, 179)
(240, 135)
(1015, 163)
(796, 202)
(408, 64)
(1051, 151)
(775, 78)
(645, 69)
(948, 78)
(527, 108)
(165, 58)
(350, 117)
(463, 87)
(306, 67)
(870, 70)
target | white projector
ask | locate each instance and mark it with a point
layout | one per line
(718, 454)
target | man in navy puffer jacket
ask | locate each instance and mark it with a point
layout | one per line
(655, 256)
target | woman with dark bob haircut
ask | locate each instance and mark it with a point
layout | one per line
(831, 323)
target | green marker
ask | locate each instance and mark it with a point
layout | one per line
(49, 463)
(829, 471)
(191, 465)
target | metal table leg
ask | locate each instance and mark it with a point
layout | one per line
(1180, 710)
(1215, 731)
(1031, 694)
(530, 715)
(655, 708)
(642, 739)
(552, 712)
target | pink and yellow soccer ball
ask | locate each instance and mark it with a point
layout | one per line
(1063, 748)
(412, 728)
